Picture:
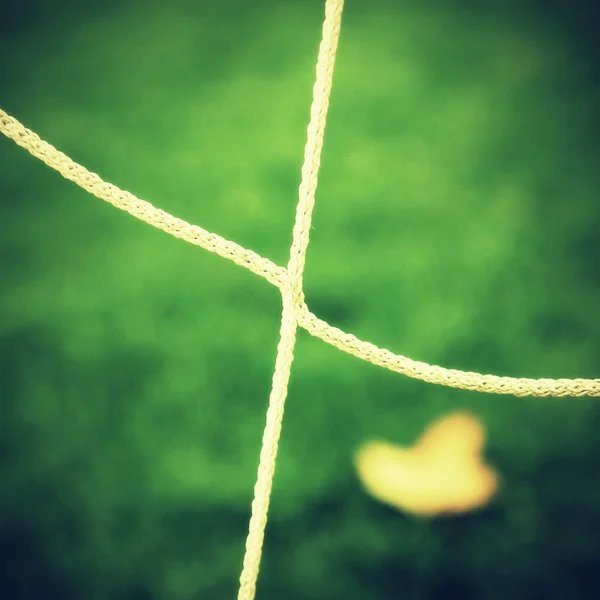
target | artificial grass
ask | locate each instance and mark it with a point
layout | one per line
(455, 223)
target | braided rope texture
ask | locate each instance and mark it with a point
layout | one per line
(278, 276)
(295, 312)
(292, 296)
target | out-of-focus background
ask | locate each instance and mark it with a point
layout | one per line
(456, 223)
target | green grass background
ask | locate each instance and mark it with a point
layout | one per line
(456, 223)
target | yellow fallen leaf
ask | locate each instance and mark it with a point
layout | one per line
(442, 473)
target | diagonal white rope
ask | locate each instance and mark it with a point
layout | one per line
(277, 275)
(140, 209)
(292, 297)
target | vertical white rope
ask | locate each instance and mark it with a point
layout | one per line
(292, 297)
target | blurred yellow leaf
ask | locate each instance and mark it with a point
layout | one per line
(442, 473)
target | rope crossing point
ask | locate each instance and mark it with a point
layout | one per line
(295, 312)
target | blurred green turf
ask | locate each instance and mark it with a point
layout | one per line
(456, 223)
